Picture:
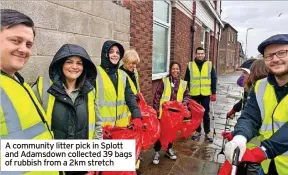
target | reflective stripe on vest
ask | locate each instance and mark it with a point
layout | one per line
(112, 106)
(16, 111)
(48, 101)
(269, 107)
(167, 91)
(200, 82)
(134, 89)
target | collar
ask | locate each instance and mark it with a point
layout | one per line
(17, 77)
(272, 81)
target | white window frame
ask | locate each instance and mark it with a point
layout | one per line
(166, 25)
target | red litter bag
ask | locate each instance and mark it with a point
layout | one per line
(197, 112)
(119, 173)
(172, 116)
(151, 129)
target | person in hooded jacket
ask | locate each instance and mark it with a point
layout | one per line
(170, 88)
(68, 97)
(114, 96)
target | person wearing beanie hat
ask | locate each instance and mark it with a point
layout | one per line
(245, 67)
(266, 112)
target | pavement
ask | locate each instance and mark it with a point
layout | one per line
(199, 157)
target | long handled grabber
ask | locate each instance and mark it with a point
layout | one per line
(213, 118)
(223, 141)
(235, 160)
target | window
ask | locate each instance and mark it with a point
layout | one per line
(161, 38)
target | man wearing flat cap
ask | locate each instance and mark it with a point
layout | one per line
(266, 113)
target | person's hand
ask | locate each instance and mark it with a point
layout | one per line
(231, 114)
(255, 155)
(227, 135)
(238, 141)
(136, 124)
(213, 97)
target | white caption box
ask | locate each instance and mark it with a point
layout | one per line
(68, 155)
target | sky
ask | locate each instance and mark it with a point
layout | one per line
(262, 16)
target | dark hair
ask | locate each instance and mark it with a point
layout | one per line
(172, 63)
(258, 71)
(199, 48)
(80, 80)
(11, 18)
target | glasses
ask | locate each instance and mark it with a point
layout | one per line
(279, 54)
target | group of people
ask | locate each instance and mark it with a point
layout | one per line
(78, 98)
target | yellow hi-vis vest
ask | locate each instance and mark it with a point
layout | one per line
(19, 116)
(47, 100)
(112, 106)
(134, 89)
(200, 82)
(166, 95)
(274, 116)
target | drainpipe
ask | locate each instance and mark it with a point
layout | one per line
(213, 50)
(217, 51)
(193, 29)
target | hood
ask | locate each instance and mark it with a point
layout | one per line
(105, 61)
(68, 50)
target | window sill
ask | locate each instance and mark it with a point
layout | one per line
(159, 76)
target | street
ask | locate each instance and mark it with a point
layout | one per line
(199, 157)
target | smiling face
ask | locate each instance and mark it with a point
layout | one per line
(72, 68)
(175, 71)
(277, 66)
(15, 45)
(114, 55)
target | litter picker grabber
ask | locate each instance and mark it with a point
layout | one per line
(213, 118)
(223, 141)
(235, 160)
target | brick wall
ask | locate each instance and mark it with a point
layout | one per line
(221, 63)
(87, 23)
(141, 30)
(180, 39)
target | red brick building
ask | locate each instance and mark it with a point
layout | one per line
(229, 50)
(162, 31)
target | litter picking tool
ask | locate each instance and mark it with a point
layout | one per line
(235, 160)
(213, 118)
(223, 141)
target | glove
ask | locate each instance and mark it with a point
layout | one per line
(227, 135)
(256, 155)
(136, 123)
(213, 97)
(231, 113)
(238, 141)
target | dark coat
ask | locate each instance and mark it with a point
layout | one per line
(213, 75)
(111, 70)
(131, 75)
(70, 120)
(250, 122)
(160, 89)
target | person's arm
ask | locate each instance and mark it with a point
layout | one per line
(250, 121)
(187, 76)
(238, 106)
(213, 80)
(131, 102)
(157, 96)
(98, 125)
(277, 144)
(186, 97)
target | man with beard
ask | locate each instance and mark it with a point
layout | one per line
(266, 112)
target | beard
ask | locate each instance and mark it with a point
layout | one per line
(279, 73)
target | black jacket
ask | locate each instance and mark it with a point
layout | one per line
(250, 122)
(131, 75)
(111, 70)
(70, 120)
(213, 75)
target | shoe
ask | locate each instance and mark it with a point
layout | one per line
(196, 135)
(209, 137)
(170, 154)
(156, 158)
